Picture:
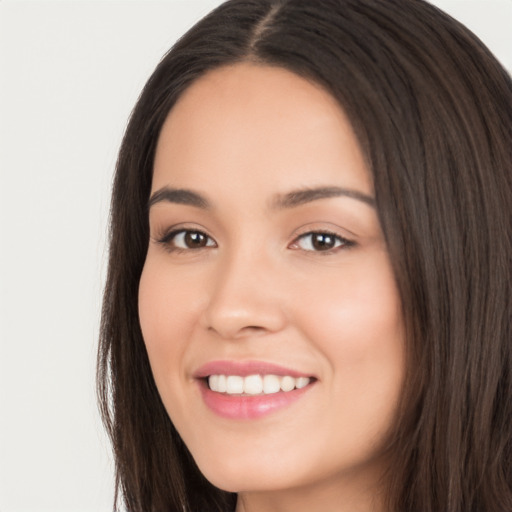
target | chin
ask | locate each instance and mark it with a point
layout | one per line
(244, 474)
(247, 481)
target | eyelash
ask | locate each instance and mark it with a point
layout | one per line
(168, 239)
(342, 243)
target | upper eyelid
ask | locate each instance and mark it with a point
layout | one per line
(323, 232)
(174, 230)
(320, 231)
(334, 231)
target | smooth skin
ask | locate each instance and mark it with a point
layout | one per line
(249, 273)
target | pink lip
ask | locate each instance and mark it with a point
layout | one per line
(244, 368)
(245, 407)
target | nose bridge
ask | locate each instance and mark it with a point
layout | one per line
(243, 296)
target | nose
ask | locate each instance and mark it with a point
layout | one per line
(245, 298)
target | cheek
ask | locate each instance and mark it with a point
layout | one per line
(358, 306)
(355, 320)
(165, 310)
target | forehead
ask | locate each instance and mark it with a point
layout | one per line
(258, 121)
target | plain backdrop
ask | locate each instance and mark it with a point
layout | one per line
(70, 72)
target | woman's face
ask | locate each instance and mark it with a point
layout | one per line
(267, 275)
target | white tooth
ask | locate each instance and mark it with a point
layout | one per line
(222, 388)
(213, 382)
(302, 382)
(234, 384)
(253, 384)
(271, 384)
(287, 383)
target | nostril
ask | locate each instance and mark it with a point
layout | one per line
(250, 330)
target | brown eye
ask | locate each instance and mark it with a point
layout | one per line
(187, 240)
(321, 242)
(195, 239)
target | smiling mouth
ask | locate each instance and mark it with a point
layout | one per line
(251, 390)
(252, 385)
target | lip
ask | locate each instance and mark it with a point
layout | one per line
(248, 407)
(245, 368)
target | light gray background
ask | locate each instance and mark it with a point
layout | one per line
(70, 72)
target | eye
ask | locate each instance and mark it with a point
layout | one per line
(320, 242)
(186, 239)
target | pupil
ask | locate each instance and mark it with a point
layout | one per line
(323, 242)
(195, 239)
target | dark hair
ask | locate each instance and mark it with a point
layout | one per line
(432, 110)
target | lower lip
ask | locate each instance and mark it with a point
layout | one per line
(246, 407)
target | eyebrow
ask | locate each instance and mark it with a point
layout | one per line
(179, 196)
(291, 199)
(307, 195)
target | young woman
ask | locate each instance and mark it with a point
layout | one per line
(308, 299)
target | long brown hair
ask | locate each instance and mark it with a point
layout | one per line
(432, 109)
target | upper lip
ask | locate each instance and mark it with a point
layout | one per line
(245, 368)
